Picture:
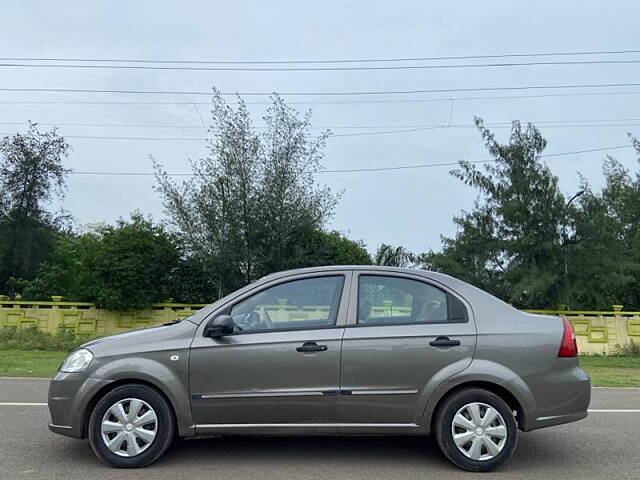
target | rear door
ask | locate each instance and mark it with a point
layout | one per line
(282, 363)
(404, 336)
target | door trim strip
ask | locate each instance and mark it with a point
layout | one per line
(307, 425)
(283, 393)
(385, 392)
(299, 393)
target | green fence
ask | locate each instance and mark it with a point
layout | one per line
(596, 331)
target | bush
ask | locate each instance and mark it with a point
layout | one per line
(631, 349)
(32, 338)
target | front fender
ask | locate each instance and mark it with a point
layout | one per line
(168, 376)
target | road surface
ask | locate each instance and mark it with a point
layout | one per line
(605, 445)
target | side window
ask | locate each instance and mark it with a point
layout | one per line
(384, 300)
(307, 303)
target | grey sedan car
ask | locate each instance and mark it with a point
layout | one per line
(329, 351)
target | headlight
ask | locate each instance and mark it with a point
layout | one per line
(77, 361)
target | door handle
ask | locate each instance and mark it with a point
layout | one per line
(444, 342)
(311, 347)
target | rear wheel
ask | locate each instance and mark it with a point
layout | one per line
(476, 430)
(131, 426)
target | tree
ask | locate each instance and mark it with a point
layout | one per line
(599, 264)
(254, 198)
(66, 271)
(607, 255)
(126, 266)
(190, 282)
(31, 176)
(320, 248)
(132, 265)
(511, 243)
(391, 256)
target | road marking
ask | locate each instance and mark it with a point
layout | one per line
(615, 388)
(22, 404)
(615, 410)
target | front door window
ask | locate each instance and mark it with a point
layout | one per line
(301, 304)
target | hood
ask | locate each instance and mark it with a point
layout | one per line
(161, 337)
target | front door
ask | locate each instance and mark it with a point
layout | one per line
(282, 363)
(404, 336)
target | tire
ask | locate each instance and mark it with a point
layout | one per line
(152, 427)
(476, 454)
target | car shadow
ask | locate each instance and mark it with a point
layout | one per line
(334, 457)
(278, 449)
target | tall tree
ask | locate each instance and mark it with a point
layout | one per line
(391, 256)
(607, 255)
(31, 176)
(511, 243)
(254, 198)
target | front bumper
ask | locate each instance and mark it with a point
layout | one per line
(69, 395)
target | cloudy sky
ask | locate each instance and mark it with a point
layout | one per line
(411, 207)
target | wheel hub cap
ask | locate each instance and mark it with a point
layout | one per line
(479, 431)
(129, 427)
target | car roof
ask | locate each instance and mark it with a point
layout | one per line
(338, 268)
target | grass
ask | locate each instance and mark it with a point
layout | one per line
(21, 363)
(604, 371)
(612, 371)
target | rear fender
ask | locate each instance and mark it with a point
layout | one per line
(477, 372)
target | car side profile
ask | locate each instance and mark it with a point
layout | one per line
(328, 351)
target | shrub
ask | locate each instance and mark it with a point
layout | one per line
(631, 349)
(32, 338)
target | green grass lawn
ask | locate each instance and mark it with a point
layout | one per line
(612, 371)
(604, 371)
(21, 363)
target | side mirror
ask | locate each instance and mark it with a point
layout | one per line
(219, 326)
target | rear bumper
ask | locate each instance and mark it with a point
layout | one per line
(542, 422)
(564, 400)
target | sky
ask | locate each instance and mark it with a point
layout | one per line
(410, 207)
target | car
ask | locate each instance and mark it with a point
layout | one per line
(353, 350)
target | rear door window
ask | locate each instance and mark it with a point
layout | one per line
(388, 300)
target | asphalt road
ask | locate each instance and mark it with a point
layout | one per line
(605, 445)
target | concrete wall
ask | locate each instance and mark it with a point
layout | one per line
(596, 331)
(85, 318)
(599, 332)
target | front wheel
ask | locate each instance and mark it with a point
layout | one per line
(476, 430)
(131, 426)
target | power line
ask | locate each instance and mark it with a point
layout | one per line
(316, 69)
(373, 169)
(336, 102)
(349, 60)
(345, 93)
(340, 135)
(560, 122)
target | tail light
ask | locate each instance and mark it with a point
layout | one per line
(568, 347)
